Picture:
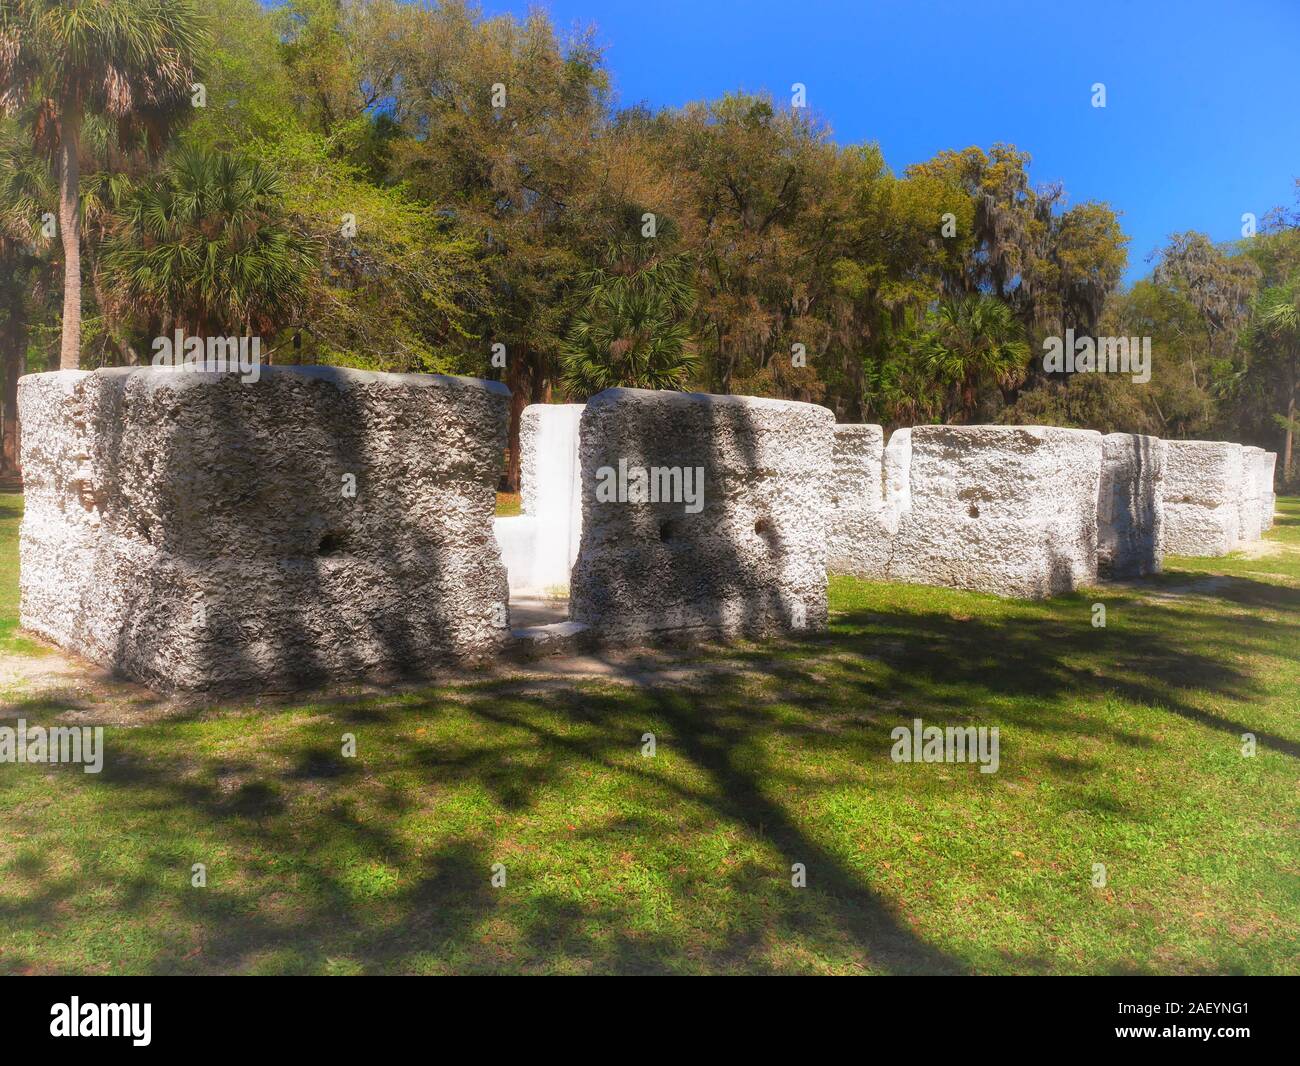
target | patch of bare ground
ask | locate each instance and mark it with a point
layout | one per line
(1262, 549)
(76, 691)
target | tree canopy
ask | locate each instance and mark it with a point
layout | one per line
(425, 187)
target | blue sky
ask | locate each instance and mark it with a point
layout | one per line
(1202, 121)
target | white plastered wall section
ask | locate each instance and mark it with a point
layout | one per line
(540, 545)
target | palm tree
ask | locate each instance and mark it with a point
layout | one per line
(629, 332)
(26, 196)
(969, 343)
(1277, 316)
(632, 323)
(206, 246)
(130, 60)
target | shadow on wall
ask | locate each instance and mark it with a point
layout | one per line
(1148, 457)
(1130, 508)
(314, 525)
(746, 556)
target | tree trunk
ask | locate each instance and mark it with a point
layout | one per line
(15, 350)
(528, 376)
(70, 233)
(724, 366)
(517, 380)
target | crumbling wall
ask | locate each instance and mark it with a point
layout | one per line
(63, 506)
(1004, 509)
(1202, 493)
(1250, 518)
(1130, 506)
(316, 524)
(1267, 495)
(860, 533)
(746, 554)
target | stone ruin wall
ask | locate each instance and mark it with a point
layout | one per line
(1004, 509)
(1130, 505)
(1249, 504)
(1202, 497)
(191, 531)
(196, 532)
(1268, 498)
(750, 561)
(859, 533)
(1153, 497)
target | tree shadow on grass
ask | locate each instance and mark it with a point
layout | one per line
(311, 862)
(1152, 653)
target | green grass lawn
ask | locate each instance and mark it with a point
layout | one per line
(11, 640)
(1119, 745)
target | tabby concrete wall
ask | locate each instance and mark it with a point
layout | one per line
(1010, 510)
(1268, 498)
(738, 549)
(993, 508)
(1202, 497)
(1250, 507)
(197, 532)
(861, 532)
(69, 432)
(1130, 505)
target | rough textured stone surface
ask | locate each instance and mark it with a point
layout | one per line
(860, 533)
(1004, 509)
(1267, 496)
(62, 509)
(1130, 505)
(1250, 505)
(192, 531)
(539, 546)
(751, 561)
(1201, 497)
(898, 487)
